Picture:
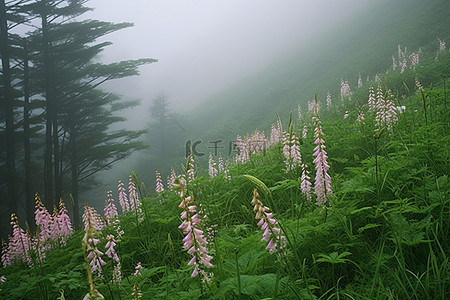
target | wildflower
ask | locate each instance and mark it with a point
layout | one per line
(328, 99)
(20, 244)
(304, 131)
(305, 185)
(63, 222)
(394, 64)
(194, 240)
(92, 224)
(360, 118)
(314, 106)
(123, 198)
(137, 269)
(414, 57)
(159, 183)
(346, 114)
(136, 293)
(271, 232)
(257, 142)
(403, 66)
(111, 253)
(190, 172)
(212, 167)
(6, 254)
(322, 182)
(221, 165)
(359, 81)
(2, 279)
(171, 179)
(299, 112)
(291, 151)
(275, 135)
(110, 208)
(345, 89)
(243, 154)
(93, 295)
(441, 45)
(44, 221)
(386, 115)
(135, 204)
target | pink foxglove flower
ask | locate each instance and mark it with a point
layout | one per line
(345, 89)
(221, 165)
(135, 203)
(92, 224)
(359, 81)
(275, 135)
(190, 171)
(291, 151)
(386, 116)
(314, 107)
(305, 184)
(360, 118)
(137, 269)
(123, 198)
(212, 170)
(111, 253)
(243, 154)
(414, 57)
(257, 142)
(322, 182)
(62, 224)
(171, 179)
(19, 246)
(305, 131)
(44, 221)
(394, 64)
(271, 230)
(110, 208)
(159, 183)
(6, 254)
(194, 241)
(328, 99)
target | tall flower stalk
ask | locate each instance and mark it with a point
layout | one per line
(291, 151)
(159, 183)
(322, 182)
(123, 198)
(271, 230)
(92, 224)
(135, 203)
(194, 241)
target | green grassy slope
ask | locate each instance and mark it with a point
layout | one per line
(361, 45)
(382, 235)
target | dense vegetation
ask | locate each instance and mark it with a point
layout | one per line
(383, 233)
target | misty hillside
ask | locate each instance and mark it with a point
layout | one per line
(362, 45)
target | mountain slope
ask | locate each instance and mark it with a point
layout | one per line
(362, 45)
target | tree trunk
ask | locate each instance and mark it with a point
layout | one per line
(9, 111)
(48, 168)
(75, 177)
(29, 199)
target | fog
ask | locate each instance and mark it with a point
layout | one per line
(203, 47)
(206, 46)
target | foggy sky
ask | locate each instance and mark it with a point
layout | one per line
(205, 46)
